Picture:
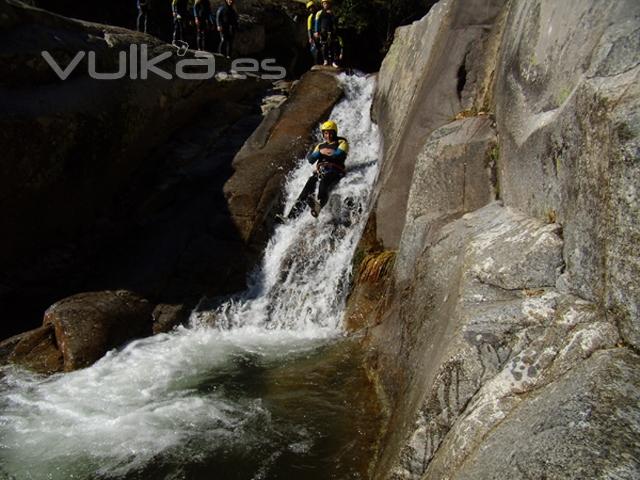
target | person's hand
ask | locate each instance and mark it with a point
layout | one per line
(219, 29)
(197, 20)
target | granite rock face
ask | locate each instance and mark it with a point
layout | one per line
(509, 346)
(433, 71)
(500, 366)
(567, 108)
(456, 167)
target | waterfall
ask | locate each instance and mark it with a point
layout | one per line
(211, 395)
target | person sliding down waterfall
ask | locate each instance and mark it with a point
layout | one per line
(329, 157)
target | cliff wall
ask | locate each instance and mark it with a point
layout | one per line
(509, 347)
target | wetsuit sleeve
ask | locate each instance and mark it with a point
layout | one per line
(314, 156)
(310, 26)
(340, 153)
(219, 16)
(316, 27)
(174, 6)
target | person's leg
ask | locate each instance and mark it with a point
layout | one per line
(327, 182)
(229, 44)
(138, 20)
(323, 48)
(221, 44)
(306, 192)
(314, 52)
(200, 35)
(329, 51)
(225, 44)
(177, 33)
(181, 30)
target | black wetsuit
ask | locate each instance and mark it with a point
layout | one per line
(227, 23)
(179, 9)
(143, 15)
(326, 24)
(204, 19)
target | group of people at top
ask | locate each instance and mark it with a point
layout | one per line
(225, 21)
(325, 43)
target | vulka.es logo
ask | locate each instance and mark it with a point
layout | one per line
(137, 65)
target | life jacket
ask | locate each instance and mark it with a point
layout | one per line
(337, 161)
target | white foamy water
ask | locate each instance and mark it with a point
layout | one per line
(182, 395)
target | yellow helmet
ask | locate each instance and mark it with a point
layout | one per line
(310, 4)
(329, 125)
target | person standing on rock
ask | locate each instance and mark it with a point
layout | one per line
(329, 157)
(179, 11)
(227, 23)
(312, 8)
(325, 29)
(337, 49)
(204, 20)
(143, 15)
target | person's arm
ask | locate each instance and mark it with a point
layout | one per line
(310, 27)
(315, 155)
(316, 26)
(219, 17)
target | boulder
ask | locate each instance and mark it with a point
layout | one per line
(167, 317)
(88, 325)
(36, 350)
